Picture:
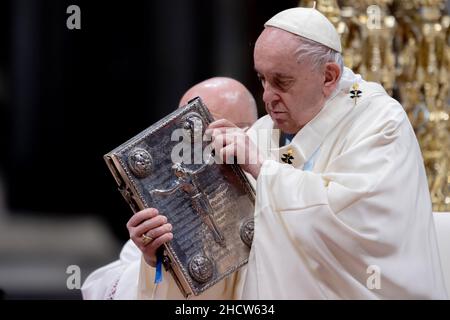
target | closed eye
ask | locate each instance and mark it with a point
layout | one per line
(283, 83)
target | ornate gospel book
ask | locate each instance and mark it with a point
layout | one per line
(170, 166)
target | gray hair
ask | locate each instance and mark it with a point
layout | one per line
(317, 54)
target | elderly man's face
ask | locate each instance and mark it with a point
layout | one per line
(293, 92)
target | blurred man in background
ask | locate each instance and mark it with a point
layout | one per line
(225, 98)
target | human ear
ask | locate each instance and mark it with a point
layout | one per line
(331, 77)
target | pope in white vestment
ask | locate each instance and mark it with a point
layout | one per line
(343, 209)
(351, 217)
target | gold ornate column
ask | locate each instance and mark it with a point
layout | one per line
(404, 45)
(432, 78)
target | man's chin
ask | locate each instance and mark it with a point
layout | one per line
(284, 126)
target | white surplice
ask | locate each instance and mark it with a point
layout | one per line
(117, 280)
(351, 217)
(130, 278)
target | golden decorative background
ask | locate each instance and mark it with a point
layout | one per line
(404, 45)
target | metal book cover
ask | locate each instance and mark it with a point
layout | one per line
(169, 166)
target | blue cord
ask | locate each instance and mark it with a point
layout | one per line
(159, 274)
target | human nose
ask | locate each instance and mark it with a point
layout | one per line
(269, 95)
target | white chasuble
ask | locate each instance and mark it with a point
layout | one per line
(343, 211)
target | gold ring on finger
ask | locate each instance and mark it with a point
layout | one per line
(146, 239)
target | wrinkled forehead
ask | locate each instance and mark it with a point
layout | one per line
(277, 39)
(275, 52)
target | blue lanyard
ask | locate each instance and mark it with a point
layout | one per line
(158, 274)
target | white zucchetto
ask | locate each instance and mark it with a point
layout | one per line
(308, 23)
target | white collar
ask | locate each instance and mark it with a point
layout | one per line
(310, 137)
(347, 79)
